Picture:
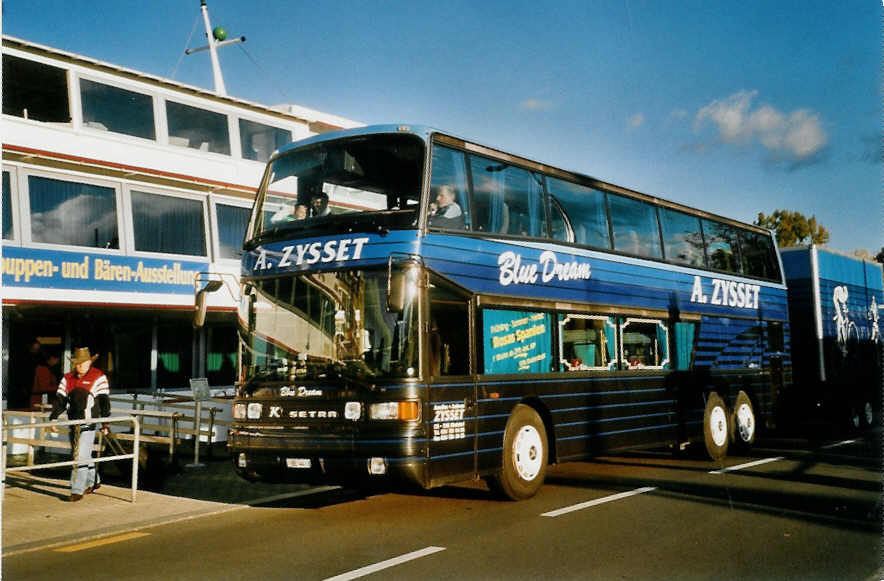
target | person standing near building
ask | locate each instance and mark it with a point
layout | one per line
(85, 394)
(45, 380)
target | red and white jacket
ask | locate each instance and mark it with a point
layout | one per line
(84, 397)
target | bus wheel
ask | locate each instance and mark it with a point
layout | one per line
(524, 455)
(715, 427)
(744, 421)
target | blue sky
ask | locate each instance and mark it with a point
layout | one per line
(731, 107)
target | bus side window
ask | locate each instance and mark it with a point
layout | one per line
(586, 342)
(507, 199)
(449, 174)
(644, 344)
(447, 342)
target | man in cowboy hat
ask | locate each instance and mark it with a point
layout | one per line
(85, 394)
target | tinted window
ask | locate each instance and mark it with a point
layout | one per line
(232, 223)
(118, 110)
(682, 240)
(644, 344)
(167, 224)
(558, 223)
(586, 342)
(7, 207)
(634, 224)
(448, 342)
(721, 246)
(258, 141)
(506, 199)
(450, 179)
(35, 91)
(759, 257)
(197, 128)
(72, 213)
(585, 208)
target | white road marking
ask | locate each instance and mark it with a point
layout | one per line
(598, 501)
(746, 465)
(369, 569)
(844, 443)
(287, 495)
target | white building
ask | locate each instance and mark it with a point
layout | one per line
(119, 187)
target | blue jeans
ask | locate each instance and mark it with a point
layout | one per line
(84, 476)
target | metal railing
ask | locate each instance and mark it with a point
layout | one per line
(108, 420)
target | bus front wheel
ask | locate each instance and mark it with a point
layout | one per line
(715, 427)
(524, 455)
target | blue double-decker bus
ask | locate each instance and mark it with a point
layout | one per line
(420, 306)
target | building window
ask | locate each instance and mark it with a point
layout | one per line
(259, 141)
(197, 128)
(117, 110)
(72, 213)
(7, 207)
(35, 91)
(174, 355)
(168, 224)
(634, 224)
(232, 224)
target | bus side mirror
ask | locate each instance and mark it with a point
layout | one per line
(200, 307)
(397, 290)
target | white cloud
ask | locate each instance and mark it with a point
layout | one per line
(535, 104)
(795, 136)
(635, 121)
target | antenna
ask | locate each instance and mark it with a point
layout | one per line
(217, 37)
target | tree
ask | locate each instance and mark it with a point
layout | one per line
(880, 256)
(793, 228)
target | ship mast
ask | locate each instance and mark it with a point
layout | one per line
(216, 38)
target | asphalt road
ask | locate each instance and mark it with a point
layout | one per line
(787, 511)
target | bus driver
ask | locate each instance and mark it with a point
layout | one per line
(445, 212)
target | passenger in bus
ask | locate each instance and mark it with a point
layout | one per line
(300, 212)
(319, 205)
(444, 211)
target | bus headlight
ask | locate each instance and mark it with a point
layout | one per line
(352, 410)
(395, 410)
(239, 411)
(254, 412)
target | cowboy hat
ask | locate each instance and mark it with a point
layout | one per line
(81, 354)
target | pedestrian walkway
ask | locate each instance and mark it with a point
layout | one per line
(37, 514)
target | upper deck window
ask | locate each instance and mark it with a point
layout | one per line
(759, 257)
(449, 197)
(72, 213)
(585, 208)
(682, 239)
(7, 207)
(197, 128)
(258, 141)
(374, 179)
(722, 249)
(118, 110)
(35, 91)
(232, 224)
(634, 224)
(168, 224)
(506, 199)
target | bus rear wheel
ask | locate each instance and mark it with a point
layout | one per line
(715, 427)
(744, 421)
(524, 455)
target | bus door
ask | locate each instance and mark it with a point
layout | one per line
(451, 425)
(775, 347)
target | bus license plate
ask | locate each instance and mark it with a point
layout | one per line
(298, 463)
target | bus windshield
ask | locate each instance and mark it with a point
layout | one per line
(376, 175)
(327, 325)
